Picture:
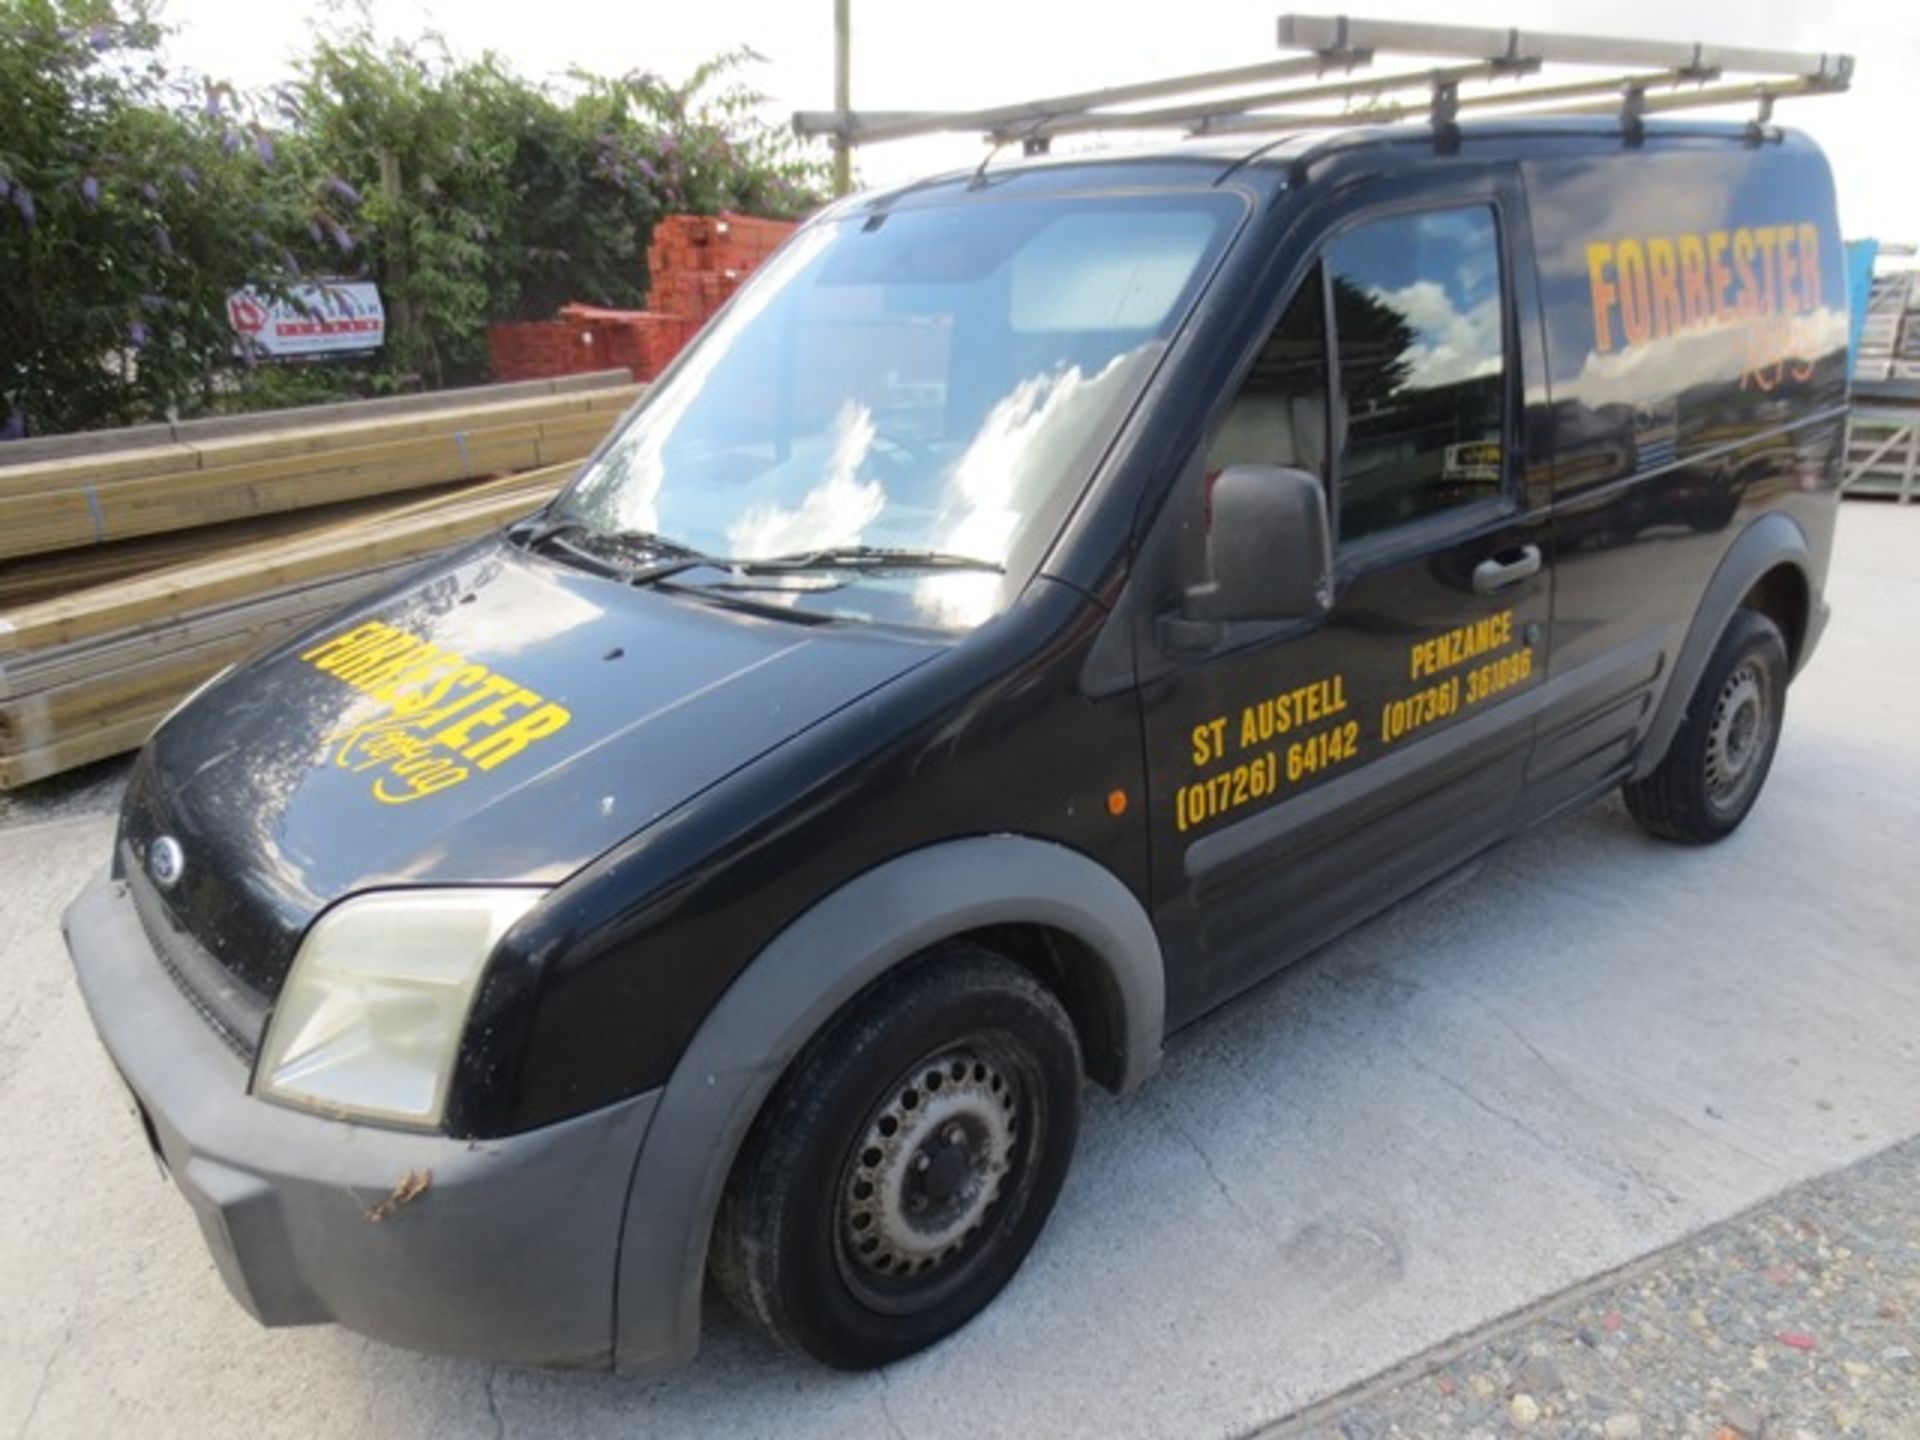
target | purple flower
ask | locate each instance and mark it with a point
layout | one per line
(16, 426)
(137, 334)
(90, 191)
(478, 231)
(100, 37)
(23, 202)
(259, 241)
(213, 103)
(153, 304)
(340, 237)
(313, 229)
(263, 145)
(341, 188)
(6, 187)
(162, 241)
(151, 191)
(229, 142)
(188, 176)
(291, 265)
(647, 169)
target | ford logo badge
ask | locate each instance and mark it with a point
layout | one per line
(166, 861)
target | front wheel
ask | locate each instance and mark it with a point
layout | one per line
(905, 1165)
(1722, 751)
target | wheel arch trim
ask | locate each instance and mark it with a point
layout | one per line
(1769, 542)
(805, 975)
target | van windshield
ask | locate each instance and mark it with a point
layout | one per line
(901, 407)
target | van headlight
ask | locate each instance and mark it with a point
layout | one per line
(369, 1021)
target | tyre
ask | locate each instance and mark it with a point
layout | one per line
(904, 1166)
(1724, 747)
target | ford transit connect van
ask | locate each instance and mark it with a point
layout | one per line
(1047, 602)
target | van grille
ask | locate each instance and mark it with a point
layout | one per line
(233, 1010)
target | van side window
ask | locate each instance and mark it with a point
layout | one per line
(1279, 417)
(1418, 323)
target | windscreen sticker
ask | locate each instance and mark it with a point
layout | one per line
(1763, 278)
(441, 719)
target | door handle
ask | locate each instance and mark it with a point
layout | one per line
(1497, 572)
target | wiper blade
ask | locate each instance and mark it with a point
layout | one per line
(868, 557)
(626, 554)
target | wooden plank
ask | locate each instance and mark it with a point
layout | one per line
(290, 445)
(56, 665)
(271, 565)
(73, 751)
(42, 524)
(319, 439)
(34, 722)
(25, 580)
(253, 422)
(78, 471)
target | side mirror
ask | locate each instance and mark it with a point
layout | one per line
(1269, 549)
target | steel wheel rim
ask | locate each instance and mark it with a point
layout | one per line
(926, 1185)
(1738, 736)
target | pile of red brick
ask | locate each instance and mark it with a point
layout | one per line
(536, 349)
(696, 263)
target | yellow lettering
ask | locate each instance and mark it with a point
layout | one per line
(509, 740)
(1743, 250)
(1666, 287)
(1809, 267)
(509, 697)
(1719, 276)
(1209, 741)
(345, 641)
(1636, 306)
(1599, 255)
(1789, 273)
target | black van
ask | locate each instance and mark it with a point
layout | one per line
(1048, 601)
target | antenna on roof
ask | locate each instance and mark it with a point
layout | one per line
(1648, 77)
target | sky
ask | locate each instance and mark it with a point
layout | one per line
(984, 52)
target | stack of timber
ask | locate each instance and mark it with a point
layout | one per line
(195, 553)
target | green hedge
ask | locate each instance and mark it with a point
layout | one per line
(133, 198)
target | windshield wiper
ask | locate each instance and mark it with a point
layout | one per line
(872, 559)
(619, 553)
(869, 557)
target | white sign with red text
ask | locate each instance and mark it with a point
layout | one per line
(319, 318)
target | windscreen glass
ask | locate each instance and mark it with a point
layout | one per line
(927, 387)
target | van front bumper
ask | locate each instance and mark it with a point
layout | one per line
(503, 1249)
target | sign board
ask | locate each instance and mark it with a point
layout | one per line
(321, 317)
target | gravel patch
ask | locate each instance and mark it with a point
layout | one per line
(1799, 1318)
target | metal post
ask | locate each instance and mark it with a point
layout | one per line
(1912, 472)
(842, 93)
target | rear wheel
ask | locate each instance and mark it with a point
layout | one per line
(905, 1165)
(1721, 753)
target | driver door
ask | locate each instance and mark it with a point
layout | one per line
(1303, 774)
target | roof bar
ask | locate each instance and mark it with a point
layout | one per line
(1201, 112)
(1391, 111)
(870, 128)
(1735, 94)
(1336, 42)
(1319, 32)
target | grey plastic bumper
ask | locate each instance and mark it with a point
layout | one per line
(510, 1253)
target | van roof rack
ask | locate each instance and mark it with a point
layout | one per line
(1647, 77)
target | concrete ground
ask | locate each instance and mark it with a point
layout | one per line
(1587, 1050)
